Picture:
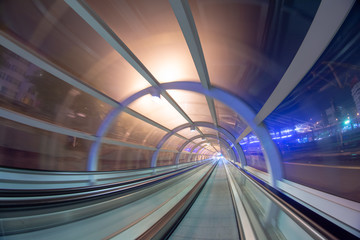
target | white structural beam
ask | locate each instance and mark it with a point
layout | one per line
(328, 19)
(186, 21)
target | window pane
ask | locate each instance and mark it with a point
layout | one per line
(245, 53)
(184, 157)
(159, 111)
(253, 152)
(123, 158)
(26, 147)
(166, 158)
(317, 127)
(130, 129)
(194, 104)
(29, 90)
(173, 143)
(56, 32)
(229, 119)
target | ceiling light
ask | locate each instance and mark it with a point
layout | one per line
(192, 129)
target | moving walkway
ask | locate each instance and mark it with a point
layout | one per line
(212, 199)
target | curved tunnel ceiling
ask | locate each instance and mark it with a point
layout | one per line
(142, 69)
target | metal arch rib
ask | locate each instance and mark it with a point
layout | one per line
(220, 129)
(196, 137)
(271, 153)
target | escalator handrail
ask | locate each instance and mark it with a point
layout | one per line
(60, 191)
(8, 205)
(299, 213)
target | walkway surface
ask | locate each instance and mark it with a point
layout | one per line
(212, 215)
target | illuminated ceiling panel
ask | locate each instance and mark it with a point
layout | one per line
(159, 111)
(188, 133)
(206, 130)
(151, 31)
(194, 104)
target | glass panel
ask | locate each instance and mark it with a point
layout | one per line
(31, 91)
(130, 129)
(317, 127)
(197, 148)
(184, 158)
(253, 152)
(224, 137)
(151, 31)
(269, 220)
(188, 147)
(159, 111)
(206, 130)
(114, 157)
(194, 104)
(26, 147)
(197, 140)
(188, 133)
(228, 119)
(173, 143)
(245, 53)
(57, 32)
(166, 158)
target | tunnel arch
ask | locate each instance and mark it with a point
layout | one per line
(245, 112)
(200, 136)
(199, 124)
(236, 157)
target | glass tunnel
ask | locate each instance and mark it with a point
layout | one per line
(179, 119)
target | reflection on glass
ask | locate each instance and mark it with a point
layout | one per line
(253, 152)
(166, 158)
(123, 158)
(188, 133)
(130, 129)
(184, 158)
(268, 219)
(22, 146)
(55, 31)
(229, 119)
(31, 91)
(173, 143)
(205, 130)
(189, 147)
(245, 53)
(317, 127)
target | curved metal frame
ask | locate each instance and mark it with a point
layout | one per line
(240, 107)
(236, 157)
(200, 136)
(198, 144)
(241, 156)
